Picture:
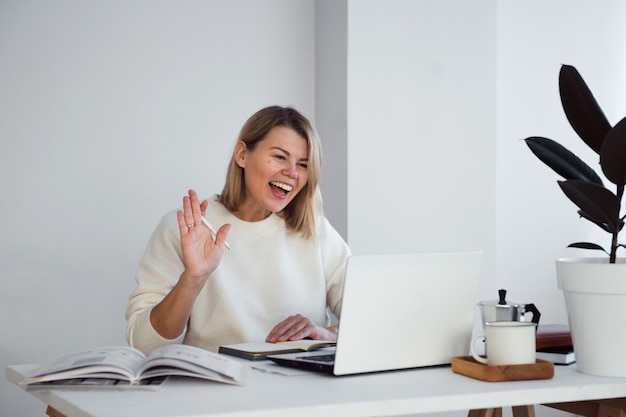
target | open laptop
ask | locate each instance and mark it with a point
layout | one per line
(400, 311)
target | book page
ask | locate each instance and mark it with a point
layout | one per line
(195, 361)
(119, 359)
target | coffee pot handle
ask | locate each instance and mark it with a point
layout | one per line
(536, 314)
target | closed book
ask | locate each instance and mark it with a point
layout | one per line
(558, 356)
(260, 350)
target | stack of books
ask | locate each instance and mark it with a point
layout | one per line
(554, 344)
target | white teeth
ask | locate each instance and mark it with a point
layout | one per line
(282, 185)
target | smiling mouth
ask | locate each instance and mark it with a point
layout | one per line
(284, 188)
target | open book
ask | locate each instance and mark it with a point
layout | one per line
(259, 350)
(123, 366)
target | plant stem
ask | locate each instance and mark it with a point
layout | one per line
(620, 194)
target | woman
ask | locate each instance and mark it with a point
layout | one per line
(285, 265)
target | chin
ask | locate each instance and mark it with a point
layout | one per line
(277, 208)
(275, 205)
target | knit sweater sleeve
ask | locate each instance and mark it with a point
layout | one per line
(158, 272)
(335, 252)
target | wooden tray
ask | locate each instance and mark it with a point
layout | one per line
(468, 366)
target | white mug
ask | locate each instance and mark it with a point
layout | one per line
(507, 343)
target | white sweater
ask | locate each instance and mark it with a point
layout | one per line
(268, 275)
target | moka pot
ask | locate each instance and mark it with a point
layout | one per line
(503, 310)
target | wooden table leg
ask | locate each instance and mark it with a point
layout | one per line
(485, 412)
(518, 411)
(524, 411)
(51, 412)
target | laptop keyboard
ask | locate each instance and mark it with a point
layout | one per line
(330, 357)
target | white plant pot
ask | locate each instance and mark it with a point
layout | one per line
(595, 298)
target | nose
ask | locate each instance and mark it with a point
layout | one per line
(292, 171)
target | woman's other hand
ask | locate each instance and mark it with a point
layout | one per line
(299, 327)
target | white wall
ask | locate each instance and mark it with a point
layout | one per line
(331, 106)
(109, 112)
(422, 127)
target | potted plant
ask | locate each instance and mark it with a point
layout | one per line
(594, 287)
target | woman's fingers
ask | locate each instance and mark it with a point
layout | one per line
(293, 328)
(182, 223)
(220, 237)
(187, 211)
(196, 212)
(203, 207)
(193, 209)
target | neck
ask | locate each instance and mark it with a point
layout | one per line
(252, 215)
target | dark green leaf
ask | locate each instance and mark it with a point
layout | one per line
(613, 154)
(603, 226)
(601, 205)
(587, 245)
(581, 108)
(561, 160)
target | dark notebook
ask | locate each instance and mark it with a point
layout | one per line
(551, 336)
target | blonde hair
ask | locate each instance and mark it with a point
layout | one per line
(302, 212)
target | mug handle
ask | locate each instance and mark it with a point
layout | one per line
(473, 351)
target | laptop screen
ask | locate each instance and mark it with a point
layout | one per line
(406, 310)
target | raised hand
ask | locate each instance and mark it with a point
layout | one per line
(202, 251)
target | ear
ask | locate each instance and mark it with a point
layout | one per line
(241, 151)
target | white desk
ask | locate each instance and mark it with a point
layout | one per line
(390, 393)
